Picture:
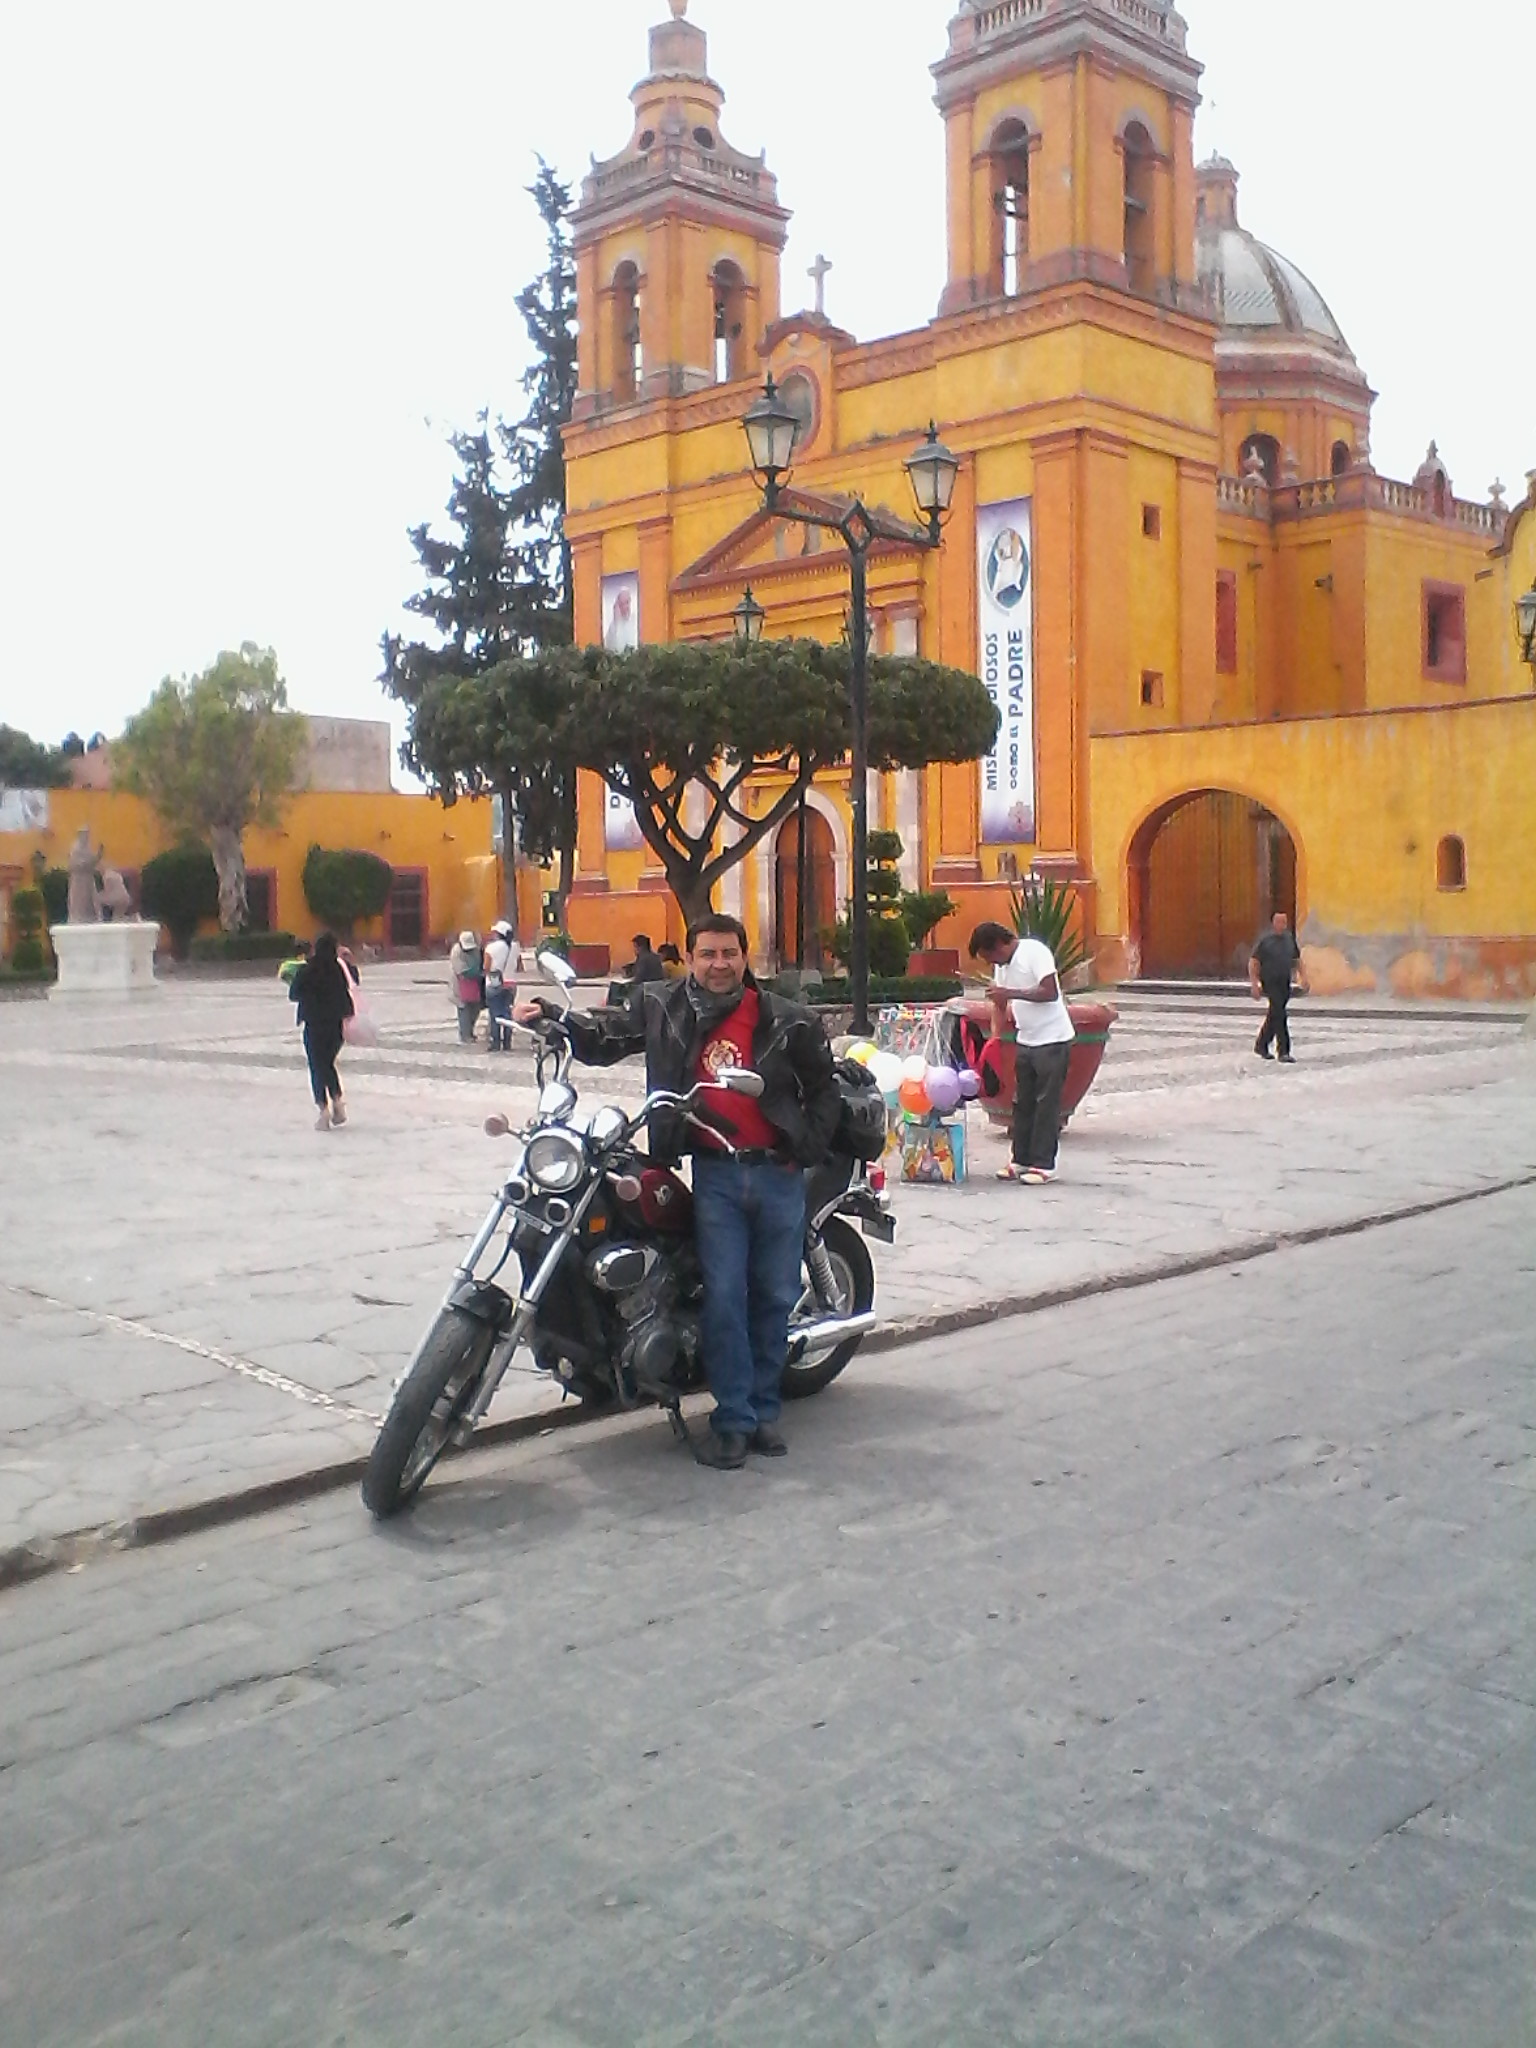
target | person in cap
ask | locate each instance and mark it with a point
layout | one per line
(500, 987)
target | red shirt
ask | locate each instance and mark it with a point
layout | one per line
(739, 1116)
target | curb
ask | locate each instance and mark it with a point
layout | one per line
(44, 1556)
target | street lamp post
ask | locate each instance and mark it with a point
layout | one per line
(1525, 624)
(772, 430)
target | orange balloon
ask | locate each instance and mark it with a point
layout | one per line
(914, 1098)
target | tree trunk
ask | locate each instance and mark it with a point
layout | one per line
(569, 828)
(509, 860)
(694, 900)
(229, 860)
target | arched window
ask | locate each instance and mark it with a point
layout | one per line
(1010, 208)
(730, 290)
(1451, 863)
(627, 363)
(1261, 456)
(1343, 458)
(1140, 222)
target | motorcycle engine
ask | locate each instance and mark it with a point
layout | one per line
(659, 1351)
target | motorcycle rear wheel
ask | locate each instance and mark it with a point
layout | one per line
(428, 1405)
(855, 1273)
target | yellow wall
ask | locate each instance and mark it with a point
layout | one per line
(1367, 800)
(463, 871)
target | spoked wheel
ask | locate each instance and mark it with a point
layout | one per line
(853, 1277)
(431, 1401)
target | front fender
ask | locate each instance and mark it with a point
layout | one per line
(488, 1304)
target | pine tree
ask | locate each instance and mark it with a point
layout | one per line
(499, 588)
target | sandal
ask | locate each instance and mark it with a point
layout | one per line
(1011, 1173)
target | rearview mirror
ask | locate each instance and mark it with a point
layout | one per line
(741, 1081)
(555, 967)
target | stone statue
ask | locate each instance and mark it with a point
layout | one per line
(113, 899)
(83, 907)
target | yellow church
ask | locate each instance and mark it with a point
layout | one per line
(1240, 669)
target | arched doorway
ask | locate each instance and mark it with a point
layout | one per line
(1207, 872)
(820, 887)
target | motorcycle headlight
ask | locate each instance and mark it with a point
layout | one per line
(556, 1162)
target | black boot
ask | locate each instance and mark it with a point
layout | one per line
(721, 1453)
(766, 1442)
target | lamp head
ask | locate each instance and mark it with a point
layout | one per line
(749, 616)
(934, 470)
(771, 430)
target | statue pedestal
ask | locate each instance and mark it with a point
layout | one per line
(105, 959)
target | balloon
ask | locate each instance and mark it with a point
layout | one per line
(914, 1098)
(861, 1052)
(943, 1085)
(914, 1069)
(886, 1068)
(970, 1084)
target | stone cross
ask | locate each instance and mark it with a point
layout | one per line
(818, 271)
(679, 9)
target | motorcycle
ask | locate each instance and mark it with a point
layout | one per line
(604, 1286)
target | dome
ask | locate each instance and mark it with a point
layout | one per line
(1257, 293)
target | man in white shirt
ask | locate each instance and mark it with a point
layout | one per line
(1026, 995)
(500, 988)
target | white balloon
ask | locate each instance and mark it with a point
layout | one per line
(914, 1069)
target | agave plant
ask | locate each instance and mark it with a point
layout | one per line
(1047, 910)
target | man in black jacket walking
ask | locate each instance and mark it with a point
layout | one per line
(749, 1203)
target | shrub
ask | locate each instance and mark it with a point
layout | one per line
(54, 883)
(28, 957)
(922, 911)
(344, 887)
(180, 889)
(909, 988)
(224, 948)
(27, 919)
(889, 946)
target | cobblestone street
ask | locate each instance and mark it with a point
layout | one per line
(1154, 1671)
(199, 1295)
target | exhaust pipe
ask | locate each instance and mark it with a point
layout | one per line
(828, 1334)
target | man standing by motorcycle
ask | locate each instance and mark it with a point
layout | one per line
(749, 1201)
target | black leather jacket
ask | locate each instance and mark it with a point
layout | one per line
(790, 1050)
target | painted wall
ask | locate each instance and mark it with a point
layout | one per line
(453, 848)
(1367, 800)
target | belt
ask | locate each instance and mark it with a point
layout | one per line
(754, 1158)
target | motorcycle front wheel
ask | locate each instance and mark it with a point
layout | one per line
(431, 1399)
(853, 1271)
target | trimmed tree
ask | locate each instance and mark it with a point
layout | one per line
(215, 753)
(499, 587)
(344, 887)
(682, 730)
(180, 889)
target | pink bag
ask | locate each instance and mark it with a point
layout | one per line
(360, 1028)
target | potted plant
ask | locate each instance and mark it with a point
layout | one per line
(922, 912)
(592, 960)
(1046, 910)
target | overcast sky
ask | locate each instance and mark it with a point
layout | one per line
(257, 259)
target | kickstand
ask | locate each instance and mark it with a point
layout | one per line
(679, 1425)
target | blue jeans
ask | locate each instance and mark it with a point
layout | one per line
(498, 1010)
(749, 1224)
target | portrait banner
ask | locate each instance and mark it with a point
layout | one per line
(621, 635)
(1005, 599)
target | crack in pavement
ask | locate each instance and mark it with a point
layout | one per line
(243, 1368)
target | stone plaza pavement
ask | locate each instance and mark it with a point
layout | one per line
(1157, 1671)
(200, 1296)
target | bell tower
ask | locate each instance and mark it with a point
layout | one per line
(677, 241)
(1070, 149)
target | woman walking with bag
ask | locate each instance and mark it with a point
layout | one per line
(322, 994)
